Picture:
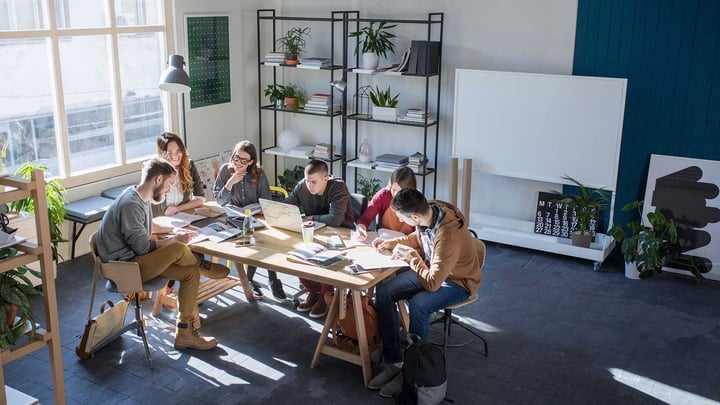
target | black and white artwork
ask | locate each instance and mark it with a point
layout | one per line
(687, 191)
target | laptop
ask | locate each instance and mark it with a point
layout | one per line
(285, 216)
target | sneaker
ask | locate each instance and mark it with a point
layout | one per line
(277, 289)
(187, 337)
(385, 376)
(319, 310)
(309, 303)
(210, 269)
(394, 387)
(257, 292)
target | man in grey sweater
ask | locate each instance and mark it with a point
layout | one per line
(124, 235)
(324, 199)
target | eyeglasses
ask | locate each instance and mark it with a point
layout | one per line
(238, 159)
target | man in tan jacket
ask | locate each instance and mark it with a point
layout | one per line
(443, 269)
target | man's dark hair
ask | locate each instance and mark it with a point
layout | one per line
(409, 201)
(316, 166)
(156, 167)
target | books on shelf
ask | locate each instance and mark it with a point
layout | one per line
(314, 62)
(274, 57)
(315, 254)
(323, 151)
(418, 115)
(403, 65)
(301, 151)
(417, 161)
(392, 159)
(216, 232)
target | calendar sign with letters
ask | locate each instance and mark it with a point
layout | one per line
(554, 219)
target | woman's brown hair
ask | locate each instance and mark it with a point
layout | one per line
(185, 182)
(253, 169)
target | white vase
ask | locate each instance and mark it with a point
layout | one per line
(365, 152)
(370, 60)
(631, 271)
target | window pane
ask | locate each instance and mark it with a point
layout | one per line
(88, 101)
(141, 62)
(138, 12)
(27, 129)
(80, 13)
(22, 15)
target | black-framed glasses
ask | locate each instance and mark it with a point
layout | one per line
(238, 159)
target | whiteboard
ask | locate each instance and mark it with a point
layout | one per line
(539, 126)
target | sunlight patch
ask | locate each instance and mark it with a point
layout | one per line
(656, 389)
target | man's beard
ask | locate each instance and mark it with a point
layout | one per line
(158, 196)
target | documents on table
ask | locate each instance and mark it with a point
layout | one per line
(178, 220)
(315, 254)
(216, 232)
(372, 259)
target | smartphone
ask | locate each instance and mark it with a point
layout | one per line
(241, 243)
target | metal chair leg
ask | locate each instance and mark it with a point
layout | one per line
(140, 324)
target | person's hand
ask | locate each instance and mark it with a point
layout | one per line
(381, 246)
(361, 233)
(402, 252)
(183, 235)
(171, 210)
(234, 179)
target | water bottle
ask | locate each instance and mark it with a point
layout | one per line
(248, 230)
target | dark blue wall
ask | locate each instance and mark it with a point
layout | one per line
(669, 50)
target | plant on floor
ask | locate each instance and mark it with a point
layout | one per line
(56, 204)
(585, 204)
(15, 288)
(648, 245)
(368, 186)
(290, 178)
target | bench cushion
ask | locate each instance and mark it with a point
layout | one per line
(87, 210)
(114, 193)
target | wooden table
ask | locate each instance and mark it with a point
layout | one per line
(270, 252)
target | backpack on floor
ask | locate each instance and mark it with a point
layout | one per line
(424, 373)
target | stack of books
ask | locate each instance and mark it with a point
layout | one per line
(391, 161)
(320, 103)
(275, 57)
(323, 151)
(417, 115)
(417, 162)
(314, 62)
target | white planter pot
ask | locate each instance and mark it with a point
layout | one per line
(385, 113)
(370, 60)
(631, 271)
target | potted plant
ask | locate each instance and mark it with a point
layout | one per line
(276, 93)
(15, 288)
(374, 42)
(384, 105)
(56, 204)
(293, 44)
(294, 97)
(290, 178)
(585, 204)
(368, 186)
(646, 249)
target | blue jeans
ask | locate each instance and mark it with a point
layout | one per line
(406, 286)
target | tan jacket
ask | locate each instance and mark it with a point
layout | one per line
(455, 255)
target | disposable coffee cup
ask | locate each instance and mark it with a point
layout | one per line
(308, 231)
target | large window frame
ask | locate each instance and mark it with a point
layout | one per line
(53, 35)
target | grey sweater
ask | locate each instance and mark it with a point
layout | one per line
(125, 229)
(333, 207)
(242, 192)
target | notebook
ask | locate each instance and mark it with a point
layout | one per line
(286, 216)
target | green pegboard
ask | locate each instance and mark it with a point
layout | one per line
(208, 60)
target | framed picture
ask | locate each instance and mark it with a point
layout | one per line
(208, 48)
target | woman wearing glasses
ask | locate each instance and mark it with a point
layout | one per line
(241, 182)
(188, 192)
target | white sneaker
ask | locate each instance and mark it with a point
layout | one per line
(385, 376)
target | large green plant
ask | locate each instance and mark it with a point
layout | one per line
(15, 288)
(368, 186)
(275, 92)
(290, 178)
(293, 43)
(649, 245)
(56, 204)
(376, 40)
(382, 98)
(586, 203)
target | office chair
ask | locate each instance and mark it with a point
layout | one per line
(278, 193)
(359, 204)
(125, 278)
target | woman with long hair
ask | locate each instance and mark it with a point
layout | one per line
(241, 182)
(188, 192)
(379, 207)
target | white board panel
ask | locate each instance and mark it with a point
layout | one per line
(539, 126)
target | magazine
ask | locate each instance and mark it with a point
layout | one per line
(315, 254)
(233, 211)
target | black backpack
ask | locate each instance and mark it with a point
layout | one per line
(424, 373)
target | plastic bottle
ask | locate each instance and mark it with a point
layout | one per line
(248, 230)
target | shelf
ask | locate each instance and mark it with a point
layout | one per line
(376, 166)
(360, 71)
(277, 151)
(271, 107)
(300, 66)
(365, 117)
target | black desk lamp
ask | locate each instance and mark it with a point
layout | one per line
(175, 80)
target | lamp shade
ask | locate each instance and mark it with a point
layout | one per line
(339, 84)
(174, 79)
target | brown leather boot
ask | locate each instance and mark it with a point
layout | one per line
(210, 269)
(188, 338)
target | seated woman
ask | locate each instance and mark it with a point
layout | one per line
(379, 206)
(241, 182)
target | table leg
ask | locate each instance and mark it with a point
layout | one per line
(326, 328)
(242, 275)
(362, 337)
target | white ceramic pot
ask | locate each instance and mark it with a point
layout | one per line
(385, 113)
(631, 271)
(370, 60)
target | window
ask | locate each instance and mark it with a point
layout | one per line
(82, 98)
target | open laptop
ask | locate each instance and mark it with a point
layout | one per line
(282, 215)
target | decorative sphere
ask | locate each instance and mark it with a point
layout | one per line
(288, 139)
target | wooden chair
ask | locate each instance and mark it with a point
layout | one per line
(125, 278)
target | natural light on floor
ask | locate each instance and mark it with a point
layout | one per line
(656, 389)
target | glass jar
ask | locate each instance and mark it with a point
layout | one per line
(365, 152)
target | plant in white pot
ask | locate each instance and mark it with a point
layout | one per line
(384, 104)
(647, 247)
(585, 204)
(374, 42)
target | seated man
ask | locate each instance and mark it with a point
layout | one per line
(324, 199)
(124, 235)
(443, 270)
